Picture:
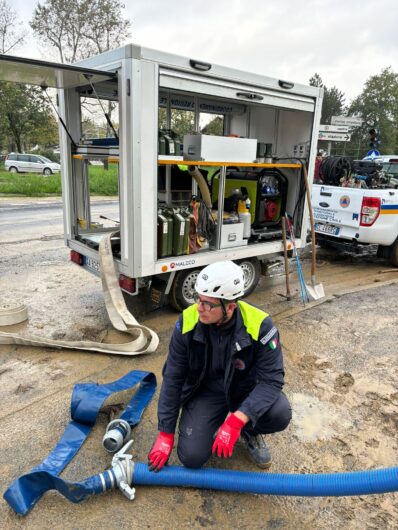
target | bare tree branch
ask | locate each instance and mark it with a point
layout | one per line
(10, 37)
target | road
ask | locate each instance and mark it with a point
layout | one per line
(341, 372)
(30, 219)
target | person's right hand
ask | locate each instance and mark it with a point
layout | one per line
(160, 452)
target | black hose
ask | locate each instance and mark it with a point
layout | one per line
(333, 169)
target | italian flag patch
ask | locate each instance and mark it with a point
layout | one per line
(273, 343)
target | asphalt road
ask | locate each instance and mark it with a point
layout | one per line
(29, 219)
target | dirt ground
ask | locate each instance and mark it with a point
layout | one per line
(341, 377)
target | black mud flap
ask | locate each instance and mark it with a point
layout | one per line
(157, 291)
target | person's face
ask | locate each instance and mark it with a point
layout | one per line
(210, 309)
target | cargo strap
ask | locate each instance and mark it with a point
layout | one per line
(87, 399)
(145, 340)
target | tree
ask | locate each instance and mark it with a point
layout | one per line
(26, 118)
(214, 127)
(80, 28)
(108, 29)
(333, 99)
(10, 37)
(378, 106)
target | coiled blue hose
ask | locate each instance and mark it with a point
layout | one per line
(322, 485)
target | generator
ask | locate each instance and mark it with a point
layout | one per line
(266, 188)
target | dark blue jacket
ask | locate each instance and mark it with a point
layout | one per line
(254, 366)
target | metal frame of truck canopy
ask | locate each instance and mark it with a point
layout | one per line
(135, 77)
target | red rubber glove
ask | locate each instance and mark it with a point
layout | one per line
(160, 451)
(227, 436)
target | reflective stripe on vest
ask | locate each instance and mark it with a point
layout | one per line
(252, 318)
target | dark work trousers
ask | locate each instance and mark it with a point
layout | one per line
(202, 416)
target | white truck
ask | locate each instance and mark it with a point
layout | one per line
(348, 218)
(176, 209)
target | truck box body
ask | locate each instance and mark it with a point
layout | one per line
(151, 90)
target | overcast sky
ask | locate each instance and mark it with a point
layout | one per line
(344, 41)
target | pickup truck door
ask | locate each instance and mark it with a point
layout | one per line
(337, 211)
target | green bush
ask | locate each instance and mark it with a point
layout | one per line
(48, 153)
(102, 182)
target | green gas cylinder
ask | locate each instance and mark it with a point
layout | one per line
(163, 235)
(178, 233)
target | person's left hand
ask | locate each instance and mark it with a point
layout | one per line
(227, 436)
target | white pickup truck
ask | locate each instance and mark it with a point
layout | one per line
(350, 217)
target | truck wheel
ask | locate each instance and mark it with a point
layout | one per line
(183, 289)
(394, 254)
(251, 271)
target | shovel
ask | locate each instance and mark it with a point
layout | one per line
(288, 295)
(315, 291)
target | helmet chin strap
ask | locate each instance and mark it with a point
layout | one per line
(224, 317)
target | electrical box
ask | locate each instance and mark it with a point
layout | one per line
(232, 235)
(219, 148)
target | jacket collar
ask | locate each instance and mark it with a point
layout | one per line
(241, 339)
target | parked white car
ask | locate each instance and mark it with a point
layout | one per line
(29, 163)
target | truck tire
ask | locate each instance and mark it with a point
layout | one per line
(183, 289)
(394, 254)
(251, 271)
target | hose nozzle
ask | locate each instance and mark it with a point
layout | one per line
(116, 435)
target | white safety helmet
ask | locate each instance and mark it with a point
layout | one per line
(223, 279)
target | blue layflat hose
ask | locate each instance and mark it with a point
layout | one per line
(320, 485)
(86, 402)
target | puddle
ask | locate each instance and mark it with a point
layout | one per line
(314, 419)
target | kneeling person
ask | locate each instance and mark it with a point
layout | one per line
(225, 371)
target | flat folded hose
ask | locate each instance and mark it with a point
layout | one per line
(141, 338)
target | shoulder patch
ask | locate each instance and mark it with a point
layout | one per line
(178, 325)
(264, 340)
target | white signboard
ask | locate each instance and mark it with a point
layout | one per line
(346, 120)
(334, 137)
(334, 128)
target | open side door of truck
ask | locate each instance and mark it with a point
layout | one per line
(48, 74)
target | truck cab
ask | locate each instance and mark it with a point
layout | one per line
(207, 159)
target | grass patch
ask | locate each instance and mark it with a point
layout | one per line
(102, 182)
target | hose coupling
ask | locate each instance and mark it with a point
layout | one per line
(121, 473)
(116, 434)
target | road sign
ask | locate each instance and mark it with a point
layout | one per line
(373, 153)
(351, 121)
(334, 137)
(334, 128)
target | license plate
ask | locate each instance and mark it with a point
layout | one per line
(92, 264)
(327, 229)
